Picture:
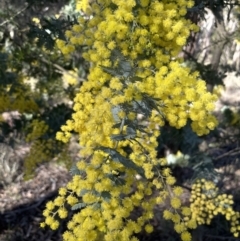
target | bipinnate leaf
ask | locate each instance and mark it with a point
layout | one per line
(131, 134)
(79, 206)
(117, 157)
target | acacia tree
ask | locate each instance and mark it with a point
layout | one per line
(136, 84)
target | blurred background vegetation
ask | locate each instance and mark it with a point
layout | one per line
(38, 85)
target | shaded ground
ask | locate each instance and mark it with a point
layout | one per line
(22, 204)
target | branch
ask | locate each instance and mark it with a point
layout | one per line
(233, 152)
(61, 69)
(16, 14)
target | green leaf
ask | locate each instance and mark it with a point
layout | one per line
(115, 110)
(189, 140)
(117, 157)
(147, 105)
(111, 71)
(96, 206)
(117, 180)
(131, 134)
(106, 195)
(79, 206)
(125, 68)
(135, 78)
(83, 191)
(141, 107)
(118, 137)
(116, 54)
(203, 167)
(132, 127)
(127, 122)
(151, 102)
(75, 171)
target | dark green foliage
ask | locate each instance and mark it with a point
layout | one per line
(56, 116)
(173, 139)
(105, 195)
(203, 167)
(6, 77)
(117, 157)
(117, 178)
(50, 30)
(131, 134)
(198, 165)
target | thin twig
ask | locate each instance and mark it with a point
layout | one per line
(233, 152)
(61, 69)
(16, 14)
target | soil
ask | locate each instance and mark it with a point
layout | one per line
(22, 204)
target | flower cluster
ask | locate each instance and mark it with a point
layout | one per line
(136, 83)
(70, 78)
(151, 56)
(181, 217)
(206, 203)
(38, 128)
(42, 146)
(13, 97)
(20, 101)
(41, 151)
